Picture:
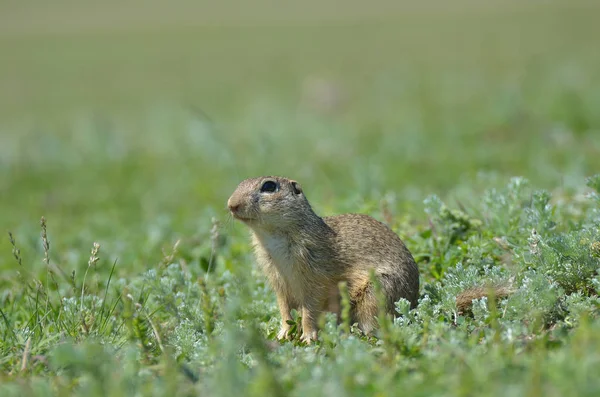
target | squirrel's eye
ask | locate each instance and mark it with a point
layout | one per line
(269, 187)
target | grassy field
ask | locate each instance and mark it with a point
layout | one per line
(471, 128)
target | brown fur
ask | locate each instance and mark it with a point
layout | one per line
(306, 256)
(464, 300)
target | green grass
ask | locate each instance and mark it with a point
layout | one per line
(130, 124)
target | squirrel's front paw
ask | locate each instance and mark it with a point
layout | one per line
(284, 332)
(308, 337)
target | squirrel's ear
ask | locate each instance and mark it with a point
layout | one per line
(296, 186)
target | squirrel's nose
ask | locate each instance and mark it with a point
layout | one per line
(233, 207)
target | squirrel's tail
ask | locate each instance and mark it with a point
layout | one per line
(464, 300)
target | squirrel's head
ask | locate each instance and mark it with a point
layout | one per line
(268, 202)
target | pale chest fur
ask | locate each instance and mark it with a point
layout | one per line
(281, 261)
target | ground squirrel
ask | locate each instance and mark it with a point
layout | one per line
(305, 256)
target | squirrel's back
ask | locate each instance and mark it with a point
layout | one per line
(365, 243)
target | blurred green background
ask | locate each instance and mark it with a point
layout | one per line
(131, 122)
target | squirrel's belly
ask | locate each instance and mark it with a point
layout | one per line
(275, 255)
